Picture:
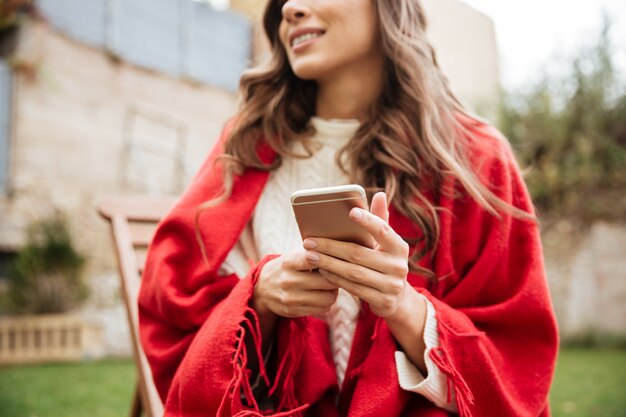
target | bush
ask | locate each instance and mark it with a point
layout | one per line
(570, 130)
(46, 276)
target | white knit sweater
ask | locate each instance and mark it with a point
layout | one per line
(275, 231)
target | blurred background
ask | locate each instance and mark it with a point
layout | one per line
(126, 97)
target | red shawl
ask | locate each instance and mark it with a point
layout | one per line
(497, 331)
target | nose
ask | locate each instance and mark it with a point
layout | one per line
(294, 11)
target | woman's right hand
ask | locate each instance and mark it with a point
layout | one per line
(287, 287)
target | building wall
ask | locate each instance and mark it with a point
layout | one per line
(69, 147)
(252, 8)
(69, 129)
(586, 271)
(467, 52)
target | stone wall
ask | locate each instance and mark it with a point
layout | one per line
(69, 147)
(465, 42)
(586, 270)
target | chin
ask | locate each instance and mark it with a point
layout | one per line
(310, 70)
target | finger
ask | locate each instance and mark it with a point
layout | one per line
(359, 274)
(309, 298)
(364, 292)
(306, 281)
(356, 254)
(379, 206)
(293, 312)
(387, 238)
(297, 261)
(381, 304)
(312, 281)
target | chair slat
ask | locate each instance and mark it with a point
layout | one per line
(133, 222)
(142, 233)
(141, 254)
(136, 208)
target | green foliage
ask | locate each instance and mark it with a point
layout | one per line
(594, 340)
(11, 10)
(570, 130)
(46, 276)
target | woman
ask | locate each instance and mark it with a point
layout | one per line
(449, 313)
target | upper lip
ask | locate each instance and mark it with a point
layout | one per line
(303, 31)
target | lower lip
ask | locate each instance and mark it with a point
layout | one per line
(303, 45)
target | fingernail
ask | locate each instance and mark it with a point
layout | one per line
(356, 213)
(309, 244)
(312, 256)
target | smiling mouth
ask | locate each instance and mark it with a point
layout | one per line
(304, 38)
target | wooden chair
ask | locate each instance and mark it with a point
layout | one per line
(133, 221)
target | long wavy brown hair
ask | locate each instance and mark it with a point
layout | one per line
(406, 146)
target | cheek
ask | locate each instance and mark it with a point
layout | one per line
(370, 30)
(356, 42)
(282, 34)
(368, 21)
(358, 26)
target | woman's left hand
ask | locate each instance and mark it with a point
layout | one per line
(376, 276)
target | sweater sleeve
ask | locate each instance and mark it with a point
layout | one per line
(411, 379)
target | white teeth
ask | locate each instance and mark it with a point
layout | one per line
(303, 38)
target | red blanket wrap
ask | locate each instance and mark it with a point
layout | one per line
(497, 331)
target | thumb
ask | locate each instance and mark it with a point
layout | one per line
(379, 206)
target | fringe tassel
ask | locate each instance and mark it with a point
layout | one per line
(252, 413)
(240, 383)
(464, 396)
(287, 368)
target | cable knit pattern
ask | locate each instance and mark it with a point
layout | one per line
(276, 231)
(274, 225)
(341, 321)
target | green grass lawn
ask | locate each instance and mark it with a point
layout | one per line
(588, 383)
(87, 389)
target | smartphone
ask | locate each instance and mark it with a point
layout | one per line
(324, 212)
